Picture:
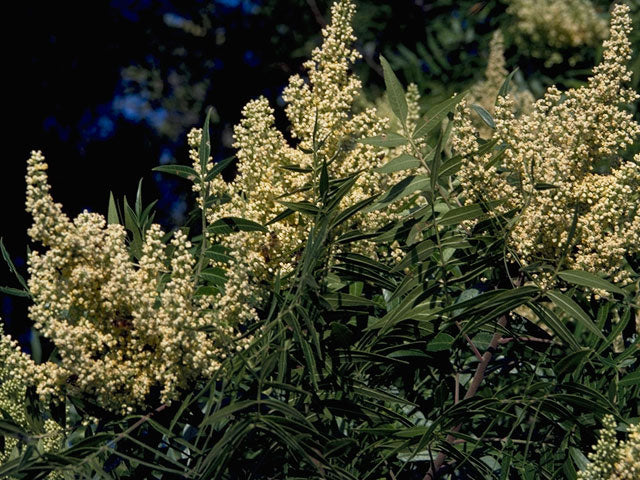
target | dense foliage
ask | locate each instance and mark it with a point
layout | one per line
(380, 292)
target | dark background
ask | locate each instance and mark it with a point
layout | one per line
(69, 89)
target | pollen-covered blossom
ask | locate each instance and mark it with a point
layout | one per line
(15, 378)
(613, 460)
(564, 159)
(484, 93)
(125, 334)
(322, 111)
(546, 26)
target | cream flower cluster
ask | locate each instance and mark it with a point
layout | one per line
(613, 460)
(556, 24)
(15, 378)
(485, 92)
(564, 159)
(322, 111)
(123, 332)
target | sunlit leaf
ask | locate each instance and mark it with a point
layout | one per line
(395, 92)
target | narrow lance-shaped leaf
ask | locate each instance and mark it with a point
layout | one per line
(485, 116)
(234, 224)
(395, 92)
(205, 143)
(630, 379)
(182, 171)
(112, 212)
(131, 223)
(12, 267)
(219, 167)
(443, 341)
(302, 207)
(555, 324)
(405, 187)
(436, 114)
(138, 204)
(337, 300)
(572, 309)
(586, 279)
(388, 140)
(214, 275)
(403, 162)
(324, 180)
(14, 292)
(504, 89)
(437, 156)
(460, 214)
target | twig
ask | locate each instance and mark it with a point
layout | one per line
(456, 393)
(525, 339)
(476, 352)
(458, 441)
(110, 445)
(316, 13)
(473, 388)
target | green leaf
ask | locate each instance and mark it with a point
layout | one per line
(302, 207)
(338, 300)
(558, 327)
(578, 458)
(281, 216)
(395, 92)
(435, 116)
(336, 195)
(179, 170)
(504, 89)
(218, 168)
(442, 341)
(324, 180)
(205, 143)
(424, 249)
(15, 292)
(572, 309)
(437, 156)
(296, 168)
(112, 212)
(460, 214)
(484, 115)
(138, 204)
(214, 275)
(217, 253)
(234, 224)
(572, 361)
(388, 140)
(586, 279)
(349, 212)
(131, 223)
(450, 167)
(616, 331)
(403, 162)
(206, 290)
(631, 379)
(405, 187)
(12, 267)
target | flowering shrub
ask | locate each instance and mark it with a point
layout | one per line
(121, 329)
(564, 160)
(547, 23)
(15, 368)
(272, 174)
(485, 92)
(611, 459)
(373, 298)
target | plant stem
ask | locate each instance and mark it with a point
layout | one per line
(473, 388)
